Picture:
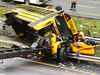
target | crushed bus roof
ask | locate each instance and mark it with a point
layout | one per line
(37, 10)
(33, 14)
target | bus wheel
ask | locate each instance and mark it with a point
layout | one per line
(27, 2)
(62, 54)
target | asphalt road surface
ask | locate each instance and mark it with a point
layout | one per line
(84, 8)
(19, 66)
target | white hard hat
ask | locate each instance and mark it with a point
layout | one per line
(81, 33)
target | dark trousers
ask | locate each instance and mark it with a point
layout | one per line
(89, 42)
(73, 5)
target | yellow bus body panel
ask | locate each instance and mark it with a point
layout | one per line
(72, 26)
(83, 48)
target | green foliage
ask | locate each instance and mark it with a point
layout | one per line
(2, 11)
(94, 31)
(97, 53)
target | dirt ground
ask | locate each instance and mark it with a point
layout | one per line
(7, 33)
(5, 30)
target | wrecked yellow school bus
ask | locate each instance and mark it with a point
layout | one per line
(54, 30)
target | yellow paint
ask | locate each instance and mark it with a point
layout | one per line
(28, 16)
(84, 49)
(54, 44)
(48, 34)
(54, 47)
(72, 26)
(43, 24)
(24, 18)
(28, 12)
(56, 66)
(56, 29)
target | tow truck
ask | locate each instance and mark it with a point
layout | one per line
(53, 33)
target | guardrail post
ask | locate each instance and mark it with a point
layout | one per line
(78, 61)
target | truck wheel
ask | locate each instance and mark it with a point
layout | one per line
(62, 54)
(27, 2)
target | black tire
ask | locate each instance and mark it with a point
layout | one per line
(27, 2)
(62, 55)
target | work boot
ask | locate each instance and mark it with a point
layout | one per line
(71, 9)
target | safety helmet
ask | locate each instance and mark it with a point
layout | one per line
(81, 33)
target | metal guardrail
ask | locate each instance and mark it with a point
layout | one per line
(84, 57)
(97, 40)
(85, 15)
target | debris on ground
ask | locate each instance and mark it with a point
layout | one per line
(81, 27)
(73, 67)
(60, 64)
(95, 32)
(93, 25)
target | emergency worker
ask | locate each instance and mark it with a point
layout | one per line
(81, 35)
(73, 4)
(58, 8)
(81, 38)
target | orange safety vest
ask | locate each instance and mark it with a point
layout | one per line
(74, 0)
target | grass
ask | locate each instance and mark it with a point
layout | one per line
(94, 31)
(87, 23)
(5, 44)
(3, 10)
